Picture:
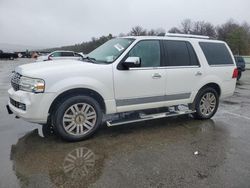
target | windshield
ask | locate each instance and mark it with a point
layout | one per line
(110, 51)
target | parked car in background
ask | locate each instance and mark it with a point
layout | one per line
(6, 55)
(58, 55)
(241, 65)
(23, 54)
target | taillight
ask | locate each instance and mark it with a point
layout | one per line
(235, 73)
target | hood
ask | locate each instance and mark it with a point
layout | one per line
(46, 68)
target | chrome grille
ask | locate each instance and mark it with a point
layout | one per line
(15, 80)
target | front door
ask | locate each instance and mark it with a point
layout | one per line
(142, 87)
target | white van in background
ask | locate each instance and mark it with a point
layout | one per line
(58, 55)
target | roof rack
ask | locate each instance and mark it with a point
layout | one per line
(187, 36)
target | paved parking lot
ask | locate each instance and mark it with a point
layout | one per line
(158, 153)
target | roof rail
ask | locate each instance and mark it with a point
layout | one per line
(187, 36)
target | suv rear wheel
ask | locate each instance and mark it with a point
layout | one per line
(77, 118)
(206, 103)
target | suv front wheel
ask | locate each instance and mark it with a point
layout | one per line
(77, 118)
(206, 103)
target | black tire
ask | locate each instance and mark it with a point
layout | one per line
(198, 107)
(239, 75)
(63, 107)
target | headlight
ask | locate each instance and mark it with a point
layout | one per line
(32, 84)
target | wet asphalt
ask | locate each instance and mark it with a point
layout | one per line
(157, 153)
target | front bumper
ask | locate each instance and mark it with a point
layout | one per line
(36, 105)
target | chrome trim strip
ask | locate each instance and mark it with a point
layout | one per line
(134, 101)
(164, 67)
(144, 68)
(223, 65)
(179, 67)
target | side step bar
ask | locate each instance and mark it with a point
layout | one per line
(143, 117)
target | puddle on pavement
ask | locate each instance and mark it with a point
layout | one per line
(54, 163)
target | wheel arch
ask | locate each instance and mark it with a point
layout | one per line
(213, 85)
(77, 91)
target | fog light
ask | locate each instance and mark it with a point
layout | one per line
(18, 105)
(22, 106)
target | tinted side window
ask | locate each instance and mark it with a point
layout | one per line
(180, 53)
(148, 51)
(67, 54)
(216, 53)
(193, 56)
(56, 54)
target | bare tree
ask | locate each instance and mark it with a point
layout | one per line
(186, 26)
(224, 29)
(237, 36)
(203, 28)
(156, 32)
(137, 31)
(174, 30)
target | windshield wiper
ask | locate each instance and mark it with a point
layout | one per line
(90, 59)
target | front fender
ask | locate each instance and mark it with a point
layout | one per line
(105, 90)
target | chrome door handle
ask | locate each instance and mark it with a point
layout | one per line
(156, 76)
(198, 73)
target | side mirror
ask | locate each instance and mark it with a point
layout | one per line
(131, 62)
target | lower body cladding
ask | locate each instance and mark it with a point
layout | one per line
(134, 104)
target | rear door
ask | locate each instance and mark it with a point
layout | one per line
(183, 71)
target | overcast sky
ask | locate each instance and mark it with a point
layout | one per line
(49, 23)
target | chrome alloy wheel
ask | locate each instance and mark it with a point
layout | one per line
(79, 119)
(208, 104)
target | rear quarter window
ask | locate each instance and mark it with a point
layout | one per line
(216, 53)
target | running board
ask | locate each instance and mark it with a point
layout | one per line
(143, 117)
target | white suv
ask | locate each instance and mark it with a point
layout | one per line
(139, 78)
